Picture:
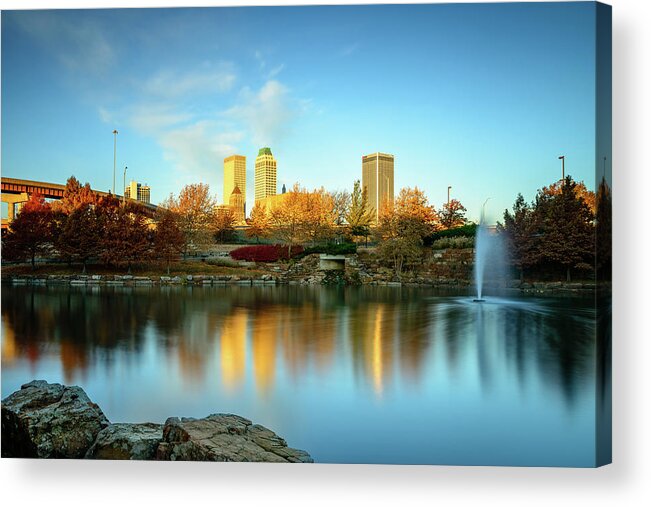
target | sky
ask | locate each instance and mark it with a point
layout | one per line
(480, 97)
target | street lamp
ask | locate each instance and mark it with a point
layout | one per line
(449, 187)
(562, 158)
(483, 214)
(124, 184)
(115, 144)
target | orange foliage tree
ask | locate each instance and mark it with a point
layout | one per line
(31, 232)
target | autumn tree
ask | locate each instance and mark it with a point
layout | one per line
(604, 231)
(259, 223)
(566, 228)
(319, 216)
(30, 233)
(75, 196)
(360, 215)
(402, 227)
(125, 239)
(79, 238)
(168, 241)
(580, 190)
(223, 224)
(453, 214)
(195, 208)
(287, 218)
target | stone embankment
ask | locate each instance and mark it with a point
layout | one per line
(450, 268)
(44, 420)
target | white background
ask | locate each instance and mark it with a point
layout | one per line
(626, 482)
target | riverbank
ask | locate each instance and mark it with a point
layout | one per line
(449, 269)
(44, 420)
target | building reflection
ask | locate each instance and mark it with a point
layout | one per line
(272, 337)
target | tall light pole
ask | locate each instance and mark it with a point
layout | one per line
(449, 187)
(562, 159)
(124, 185)
(483, 211)
(115, 145)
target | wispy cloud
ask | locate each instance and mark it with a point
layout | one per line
(275, 71)
(171, 84)
(349, 50)
(266, 113)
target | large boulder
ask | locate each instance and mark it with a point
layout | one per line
(45, 420)
(224, 437)
(127, 441)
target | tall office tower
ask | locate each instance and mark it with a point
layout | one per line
(138, 192)
(265, 174)
(377, 180)
(236, 203)
(234, 176)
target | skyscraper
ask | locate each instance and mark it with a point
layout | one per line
(265, 174)
(377, 180)
(236, 203)
(138, 192)
(234, 176)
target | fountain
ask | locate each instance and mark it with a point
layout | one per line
(490, 257)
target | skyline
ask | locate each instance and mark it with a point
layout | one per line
(483, 98)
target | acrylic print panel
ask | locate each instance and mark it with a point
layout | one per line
(340, 234)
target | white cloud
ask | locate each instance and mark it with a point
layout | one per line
(275, 71)
(266, 114)
(171, 84)
(153, 119)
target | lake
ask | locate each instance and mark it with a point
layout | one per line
(351, 375)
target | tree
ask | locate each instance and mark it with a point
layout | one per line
(79, 239)
(360, 215)
(75, 196)
(566, 228)
(580, 190)
(319, 216)
(30, 233)
(195, 207)
(341, 201)
(258, 222)
(402, 227)
(125, 236)
(604, 231)
(520, 232)
(224, 224)
(453, 214)
(168, 240)
(288, 217)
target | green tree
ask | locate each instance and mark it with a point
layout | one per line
(520, 230)
(359, 215)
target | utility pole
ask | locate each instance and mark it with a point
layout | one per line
(115, 144)
(562, 158)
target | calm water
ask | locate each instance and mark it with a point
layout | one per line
(356, 375)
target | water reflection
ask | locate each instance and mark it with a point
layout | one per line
(406, 352)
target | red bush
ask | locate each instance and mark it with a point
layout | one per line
(264, 253)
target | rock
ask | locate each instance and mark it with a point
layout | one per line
(224, 437)
(45, 420)
(127, 441)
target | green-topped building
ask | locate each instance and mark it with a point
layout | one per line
(265, 174)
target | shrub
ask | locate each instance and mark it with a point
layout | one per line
(466, 231)
(331, 249)
(264, 253)
(454, 242)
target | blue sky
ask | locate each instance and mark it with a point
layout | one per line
(482, 97)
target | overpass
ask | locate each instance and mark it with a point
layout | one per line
(18, 191)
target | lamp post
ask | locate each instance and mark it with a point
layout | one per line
(124, 184)
(115, 144)
(562, 159)
(449, 188)
(483, 214)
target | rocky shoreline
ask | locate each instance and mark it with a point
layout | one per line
(447, 270)
(44, 420)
